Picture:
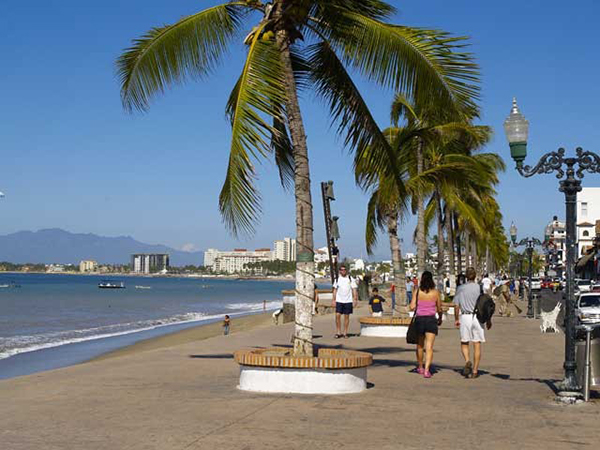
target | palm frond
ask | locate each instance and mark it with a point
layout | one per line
(402, 107)
(284, 153)
(167, 55)
(398, 57)
(373, 224)
(259, 92)
(350, 112)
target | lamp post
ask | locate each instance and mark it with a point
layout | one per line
(529, 244)
(331, 227)
(516, 128)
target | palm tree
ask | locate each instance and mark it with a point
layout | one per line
(296, 44)
(389, 201)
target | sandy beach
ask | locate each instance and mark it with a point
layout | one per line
(199, 333)
(179, 392)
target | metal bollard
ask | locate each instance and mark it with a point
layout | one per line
(537, 306)
(588, 365)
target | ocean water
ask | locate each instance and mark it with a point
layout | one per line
(64, 312)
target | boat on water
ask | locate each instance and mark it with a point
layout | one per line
(10, 285)
(143, 287)
(105, 284)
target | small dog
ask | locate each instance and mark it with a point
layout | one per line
(549, 319)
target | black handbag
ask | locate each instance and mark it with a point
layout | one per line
(412, 337)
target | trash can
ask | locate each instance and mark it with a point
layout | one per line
(594, 361)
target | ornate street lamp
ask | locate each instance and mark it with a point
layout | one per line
(517, 129)
(529, 244)
(513, 233)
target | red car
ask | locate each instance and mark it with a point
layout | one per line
(547, 283)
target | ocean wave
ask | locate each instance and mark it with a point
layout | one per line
(22, 344)
(269, 306)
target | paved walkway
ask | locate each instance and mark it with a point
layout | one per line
(184, 397)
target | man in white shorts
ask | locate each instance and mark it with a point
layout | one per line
(345, 297)
(470, 328)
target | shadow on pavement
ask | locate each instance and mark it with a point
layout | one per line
(552, 384)
(215, 356)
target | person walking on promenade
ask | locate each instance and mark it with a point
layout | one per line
(409, 290)
(487, 282)
(426, 302)
(226, 324)
(471, 330)
(376, 303)
(345, 297)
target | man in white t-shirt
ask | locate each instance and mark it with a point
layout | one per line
(486, 283)
(345, 296)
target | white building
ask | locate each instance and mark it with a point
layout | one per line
(588, 212)
(285, 250)
(149, 262)
(235, 261)
(209, 257)
(88, 266)
(357, 264)
(555, 235)
(321, 255)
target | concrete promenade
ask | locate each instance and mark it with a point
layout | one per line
(185, 397)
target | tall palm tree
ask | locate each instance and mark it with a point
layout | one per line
(389, 201)
(296, 44)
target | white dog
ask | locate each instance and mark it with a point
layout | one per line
(549, 319)
(276, 315)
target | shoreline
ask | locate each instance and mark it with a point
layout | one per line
(77, 353)
(199, 332)
(145, 275)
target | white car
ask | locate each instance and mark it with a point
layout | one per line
(588, 307)
(536, 284)
(583, 286)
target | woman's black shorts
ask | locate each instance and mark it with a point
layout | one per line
(426, 324)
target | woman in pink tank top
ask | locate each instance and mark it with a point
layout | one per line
(426, 303)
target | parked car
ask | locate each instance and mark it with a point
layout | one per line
(547, 283)
(583, 286)
(536, 284)
(588, 307)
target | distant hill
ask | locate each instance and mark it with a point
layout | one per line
(59, 246)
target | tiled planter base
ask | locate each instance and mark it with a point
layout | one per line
(393, 327)
(275, 370)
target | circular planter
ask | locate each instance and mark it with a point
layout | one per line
(395, 327)
(275, 370)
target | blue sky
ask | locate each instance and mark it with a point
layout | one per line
(72, 158)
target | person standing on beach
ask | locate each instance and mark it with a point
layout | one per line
(226, 324)
(376, 303)
(471, 330)
(345, 297)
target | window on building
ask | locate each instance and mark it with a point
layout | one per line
(584, 209)
(586, 233)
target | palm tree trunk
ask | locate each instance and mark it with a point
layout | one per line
(397, 266)
(440, 241)
(421, 238)
(451, 256)
(458, 245)
(474, 253)
(305, 266)
(468, 260)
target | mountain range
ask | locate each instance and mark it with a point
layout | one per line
(55, 245)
